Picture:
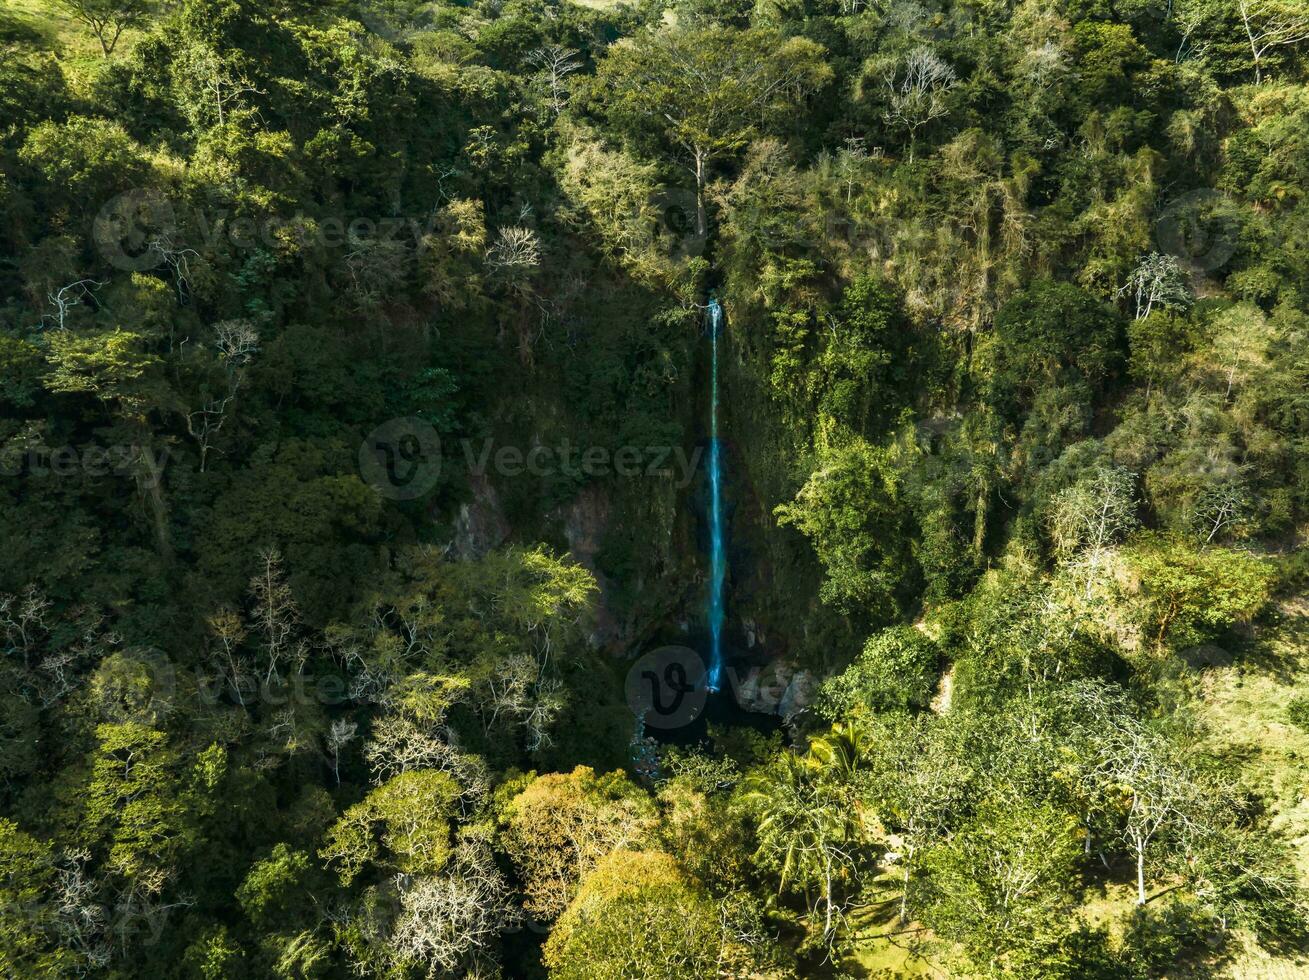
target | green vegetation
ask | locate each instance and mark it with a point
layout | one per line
(351, 389)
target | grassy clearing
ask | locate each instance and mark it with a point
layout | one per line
(887, 947)
(61, 34)
(1245, 708)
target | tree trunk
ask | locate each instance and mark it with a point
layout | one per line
(701, 219)
(1140, 875)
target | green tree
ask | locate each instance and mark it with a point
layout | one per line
(409, 815)
(635, 915)
(1004, 884)
(809, 838)
(896, 670)
(853, 510)
(1188, 596)
(561, 824)
(107, 19)
(703, 93)
(29, 945)
(1050, 333)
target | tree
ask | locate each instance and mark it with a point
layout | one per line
(635, 915)
(1088, 517)
(917, 86)
(556, 63)
(853, 510)
(115, 368)
(218, 85)
(561, 824)
(274, 611)
(341, 734)
(1270, 24)
(1157, 280)
(412, 811)
(29, 942)
(1004, 883)
(808, 835)
(1147, 786)
(706, 92)
(235, 342)
(1223, 509)
(897, 670)
(1242, 345)
(145, 806)
(446, 919)
(1047, 334)
(107, 18)
(1188, 596)
(83, 162)
(66, 298)
(917, 787)
(275, 885)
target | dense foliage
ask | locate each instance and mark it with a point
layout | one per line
(351, 404)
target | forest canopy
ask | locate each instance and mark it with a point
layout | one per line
(360, 493)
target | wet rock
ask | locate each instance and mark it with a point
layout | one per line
(778, 688)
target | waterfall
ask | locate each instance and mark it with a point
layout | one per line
(717, 548)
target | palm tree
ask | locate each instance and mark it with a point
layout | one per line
(807, 828)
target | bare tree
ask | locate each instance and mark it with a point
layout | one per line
(1188, 20)
(204, 424)
(1088, 517)
(177, 258)
(341, 734)
(917, 85)
(1222, 509)
(276, 615)
(1270, 24)
(444, 921)
(67, 297)
(401, 744)
(1157, 793)
(1157, 280)
(80, 920)
(556, 63)
(106, 18)
(236, 342)
(229, 631)
(515, 254)
(23, 619)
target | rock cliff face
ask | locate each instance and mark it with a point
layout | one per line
(776, 688)
(585, 521)
(480, 524)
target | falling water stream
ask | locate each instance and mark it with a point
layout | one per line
(717, 548)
